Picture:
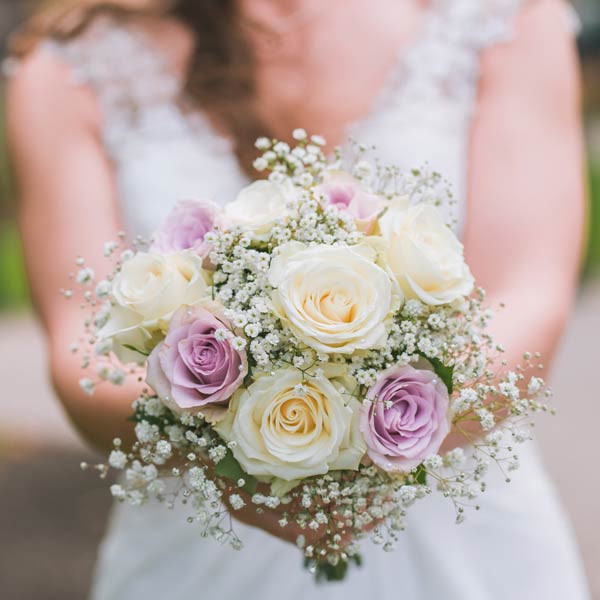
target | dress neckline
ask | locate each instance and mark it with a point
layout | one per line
(395, 77)
(390, 87)
(438, 66)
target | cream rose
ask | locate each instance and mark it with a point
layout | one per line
(286, 432)
(333, 298)
(259, 207)
(424, 254)
(146, 292)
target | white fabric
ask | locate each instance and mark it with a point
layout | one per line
(519, 545)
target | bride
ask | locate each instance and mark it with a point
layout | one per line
(117, 111)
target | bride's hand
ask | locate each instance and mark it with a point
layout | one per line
(268, 519)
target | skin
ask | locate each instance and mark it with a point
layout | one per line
(525, 190)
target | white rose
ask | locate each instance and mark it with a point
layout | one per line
(333, 298)
(283, 434)
(424, 254)
(259, 207)
(146, 292)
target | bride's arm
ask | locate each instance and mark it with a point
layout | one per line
(67, 208)
(526, 195)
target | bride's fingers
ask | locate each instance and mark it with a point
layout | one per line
(269, 520)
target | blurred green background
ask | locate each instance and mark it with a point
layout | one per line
(13, 285)
(589, 47)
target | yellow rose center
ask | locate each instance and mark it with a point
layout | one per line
(293, 415)
(298, 419)
(333, 305)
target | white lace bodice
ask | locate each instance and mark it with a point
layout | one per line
(161, 155)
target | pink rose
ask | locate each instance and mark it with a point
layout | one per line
(406, 420)
(194, 368)
(344, 191)
(185, 228)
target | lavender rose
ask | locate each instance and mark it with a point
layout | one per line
(406, 420)
(346, 193)
(194, 369)
(186, 227)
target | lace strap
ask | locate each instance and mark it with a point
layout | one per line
(446, 60)
(477, 24)
(126, 73)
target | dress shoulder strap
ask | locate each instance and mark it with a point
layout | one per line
(446, 59)
(119, 63)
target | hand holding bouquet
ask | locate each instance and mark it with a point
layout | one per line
(308, 348)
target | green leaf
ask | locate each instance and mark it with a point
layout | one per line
(248, 379)
(326, 572)
(420, 475)
(229, 468)
(134, 349)
(445, 373)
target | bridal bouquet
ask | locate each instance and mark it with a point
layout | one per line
(307, 348)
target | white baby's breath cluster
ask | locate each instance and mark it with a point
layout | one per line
(309, 284)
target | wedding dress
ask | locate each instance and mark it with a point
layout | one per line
(519, 545)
